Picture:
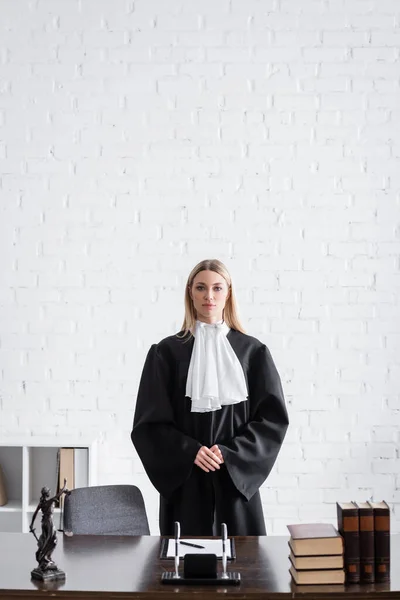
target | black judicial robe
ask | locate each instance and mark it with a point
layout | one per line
(167, 437)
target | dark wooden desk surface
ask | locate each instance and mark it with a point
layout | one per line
(129, 567)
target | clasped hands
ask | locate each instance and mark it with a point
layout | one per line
(209, 459)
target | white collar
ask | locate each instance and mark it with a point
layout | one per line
(215, 376)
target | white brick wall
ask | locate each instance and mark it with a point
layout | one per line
(140, 136)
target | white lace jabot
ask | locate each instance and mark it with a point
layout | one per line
(215, 376)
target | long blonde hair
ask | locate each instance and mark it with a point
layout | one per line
(230, 313)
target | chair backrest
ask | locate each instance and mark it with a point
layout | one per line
(105, 510)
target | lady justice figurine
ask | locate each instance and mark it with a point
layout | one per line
(47, 569)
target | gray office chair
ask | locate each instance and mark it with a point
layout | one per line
(105, 510)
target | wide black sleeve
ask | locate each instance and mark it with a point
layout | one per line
(251, 454)
(167, 454)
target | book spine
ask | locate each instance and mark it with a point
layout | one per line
(367, 545)
(66, 470)
(382, 544)
(348, 526)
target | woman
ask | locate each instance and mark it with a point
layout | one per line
(210, 415)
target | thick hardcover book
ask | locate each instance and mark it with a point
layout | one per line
(66, 470)
(304, 563)
(322, 576)
(367, 542)
(314, 539)
(348, 525)
(382, 540)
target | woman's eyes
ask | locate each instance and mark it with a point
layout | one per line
(200, 288)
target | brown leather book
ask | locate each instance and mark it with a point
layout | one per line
(348, 525)
(382, 540)
(367, 542)
(314, 539)
(322, 576)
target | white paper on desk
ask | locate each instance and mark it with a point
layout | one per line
(210, 547)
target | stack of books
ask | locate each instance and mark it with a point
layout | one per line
(316, 554)
(365, 527)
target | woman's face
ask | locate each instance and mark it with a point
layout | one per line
(209, 293)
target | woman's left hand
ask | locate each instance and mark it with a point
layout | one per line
(217, 453)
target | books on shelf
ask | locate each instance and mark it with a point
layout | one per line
(381, 512)
(318, 577)
(72, 466)
(3, 490)
(66, 470)
(316, 554)
(348, 526)
(314, 539)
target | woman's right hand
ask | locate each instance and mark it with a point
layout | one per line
(207, 460)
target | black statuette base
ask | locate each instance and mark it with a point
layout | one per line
(231, 579)
(48, 574)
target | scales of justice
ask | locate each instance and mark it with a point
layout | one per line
(47, 570)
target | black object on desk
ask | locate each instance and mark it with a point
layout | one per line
(200, 566)
(200, 569)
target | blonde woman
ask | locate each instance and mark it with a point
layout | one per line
(210, 415)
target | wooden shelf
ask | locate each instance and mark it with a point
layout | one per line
(29, 466)
(12, 506)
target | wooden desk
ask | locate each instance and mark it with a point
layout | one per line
(129, 567)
